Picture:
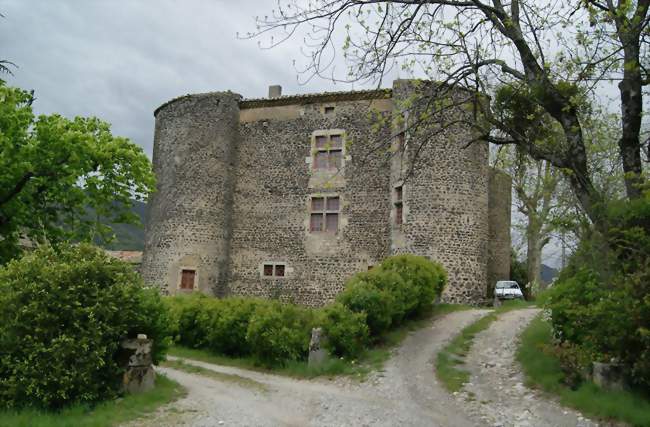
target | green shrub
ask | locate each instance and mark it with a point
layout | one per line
(601, 301)
(184, 311)
(425, 281)
(362, 295)
(226, 334)
(278, 333)
(63, 314)
(346, 331)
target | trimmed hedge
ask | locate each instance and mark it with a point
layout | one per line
(275, 333)
(63, 314)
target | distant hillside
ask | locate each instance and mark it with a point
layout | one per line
(129, 237)
(548, 273)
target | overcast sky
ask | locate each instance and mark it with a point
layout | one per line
(119, 60)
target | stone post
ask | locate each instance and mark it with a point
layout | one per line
(317, 354)
(139, 375)
(608, 376)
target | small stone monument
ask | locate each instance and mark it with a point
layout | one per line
(139, 375)
(317, 354)
(608, 376)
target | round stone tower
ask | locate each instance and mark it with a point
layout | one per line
(444, 198)
(187, 238)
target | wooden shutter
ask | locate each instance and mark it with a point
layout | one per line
(187, 279)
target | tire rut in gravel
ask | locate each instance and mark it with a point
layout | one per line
(496, 395)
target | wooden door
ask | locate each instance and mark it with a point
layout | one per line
(187, 279)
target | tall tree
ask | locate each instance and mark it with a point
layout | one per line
(535, 184)
(549, 54)
(62, 179)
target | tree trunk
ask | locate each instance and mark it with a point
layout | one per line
(534, 253)
(631, 112)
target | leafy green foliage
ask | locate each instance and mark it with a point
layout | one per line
(346, 331)
(54, 171)
(279, 332)
(543, 367)
(518, 270)
(277, 335)
(63, 314)
(228, 326)
(601, 302)
(424, 280)
(400, 287)
(363, 295)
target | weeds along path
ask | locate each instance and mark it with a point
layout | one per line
(495, 394)
(405, 393)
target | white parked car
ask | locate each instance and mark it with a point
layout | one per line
(508, 289)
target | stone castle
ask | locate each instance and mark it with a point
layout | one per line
(285, 197)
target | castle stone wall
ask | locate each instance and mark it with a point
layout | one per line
(445, 199)
(190, 215)
(500, 203)
(236, 179)
(275, 181)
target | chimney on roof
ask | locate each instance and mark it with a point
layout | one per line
(275, 91)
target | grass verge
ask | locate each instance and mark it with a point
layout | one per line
(449, 360)
(105, 414)
(372, 359)
(220, 376)
(542, 370)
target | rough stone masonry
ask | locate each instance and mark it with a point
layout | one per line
(285, 197)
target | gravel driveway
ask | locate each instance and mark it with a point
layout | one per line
(496, 395)
(405, 393)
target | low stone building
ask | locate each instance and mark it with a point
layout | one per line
(288, 196)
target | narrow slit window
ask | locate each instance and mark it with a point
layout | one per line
(399, 205)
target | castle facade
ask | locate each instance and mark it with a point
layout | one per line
(288, 196)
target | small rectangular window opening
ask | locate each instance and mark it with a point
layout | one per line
(273, 270)
(329, 110)
(324, 215)
(279, 270)
(268, 270)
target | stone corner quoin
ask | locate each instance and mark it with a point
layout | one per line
(284, 197)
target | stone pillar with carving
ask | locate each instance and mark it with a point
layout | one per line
(139, 375)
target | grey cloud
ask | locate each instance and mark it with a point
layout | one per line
(121, 60)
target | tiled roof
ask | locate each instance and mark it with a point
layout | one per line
(309, 98)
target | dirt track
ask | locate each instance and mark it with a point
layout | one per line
(406, 393)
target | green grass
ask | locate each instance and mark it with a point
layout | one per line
(542, 370)
(220, 376)
(106, 414)
(372, 359)
(450, 359)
